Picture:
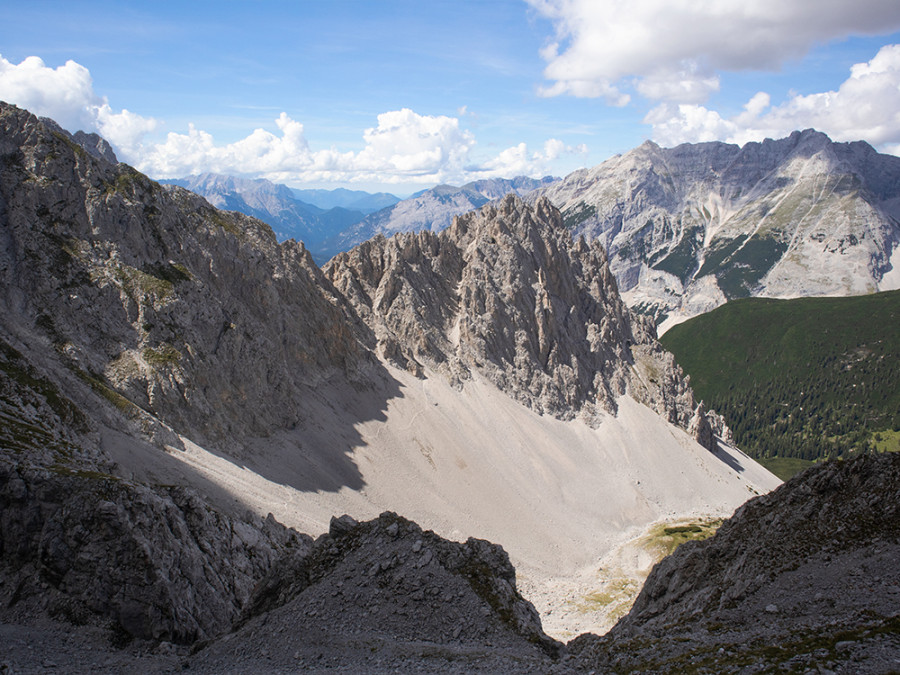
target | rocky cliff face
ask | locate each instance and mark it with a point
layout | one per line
(690, 227)
(505, 292)
(157, 563)
(171, 310)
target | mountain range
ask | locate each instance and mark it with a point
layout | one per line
(691, 227)
(687, 228)
(189, 406)
(277, 205)
(432, 209)
(353, 200)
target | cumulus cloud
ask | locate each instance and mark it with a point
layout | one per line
(403, 147)
(519, 161)
(672, 50)
(66, 94)
(865, 107)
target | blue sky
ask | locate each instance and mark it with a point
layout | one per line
(399, 95)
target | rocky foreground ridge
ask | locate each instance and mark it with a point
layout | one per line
(690, 227)
(801, 580)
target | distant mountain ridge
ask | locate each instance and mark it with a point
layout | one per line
(432, 209)
(691, 227)
(354, 200)
(275, 204)
(333, 221)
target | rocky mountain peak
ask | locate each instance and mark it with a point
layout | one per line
(154, 300)
(94, 144)
(690, 227)
(505, 293)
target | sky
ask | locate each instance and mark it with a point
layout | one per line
(397, 95)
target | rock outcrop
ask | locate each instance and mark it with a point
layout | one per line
(506, 292)
(399, 581)
(153, 563)
(150, 298)
(803, 576)
(690, 227)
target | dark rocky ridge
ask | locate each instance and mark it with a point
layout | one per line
(157, 563)
(804, 576)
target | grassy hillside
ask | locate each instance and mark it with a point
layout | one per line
(806, 378)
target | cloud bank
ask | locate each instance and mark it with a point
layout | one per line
(403, 147)
(673, 50)
(866, 106)
(66, 94)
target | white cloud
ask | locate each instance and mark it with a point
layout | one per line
(403, 147)
(865, 107)
(518, 161)
(672, 49)
(66, 94)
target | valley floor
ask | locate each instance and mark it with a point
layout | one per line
(571, 504)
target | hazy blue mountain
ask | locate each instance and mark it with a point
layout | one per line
(276, 205)
(354, 200)
(432, 209)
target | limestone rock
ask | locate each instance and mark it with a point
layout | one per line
(505, 292)
(171, 310)
(690, 227)
(792, 573)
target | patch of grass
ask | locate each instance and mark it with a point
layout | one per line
(223, 220)
(15, 367)
(665, 538)
(174, 273)
(107, 392)
(139, 284)
(785, 467)
(63, 470)
(161, 356)
(128, 180)
(614, 599)
(73, 146)
(887, 440)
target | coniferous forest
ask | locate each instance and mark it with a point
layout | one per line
(809, 378)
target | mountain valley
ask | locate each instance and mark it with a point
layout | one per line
(213, 449)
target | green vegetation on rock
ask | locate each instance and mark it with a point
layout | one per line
(809, 378)
(162, 356)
